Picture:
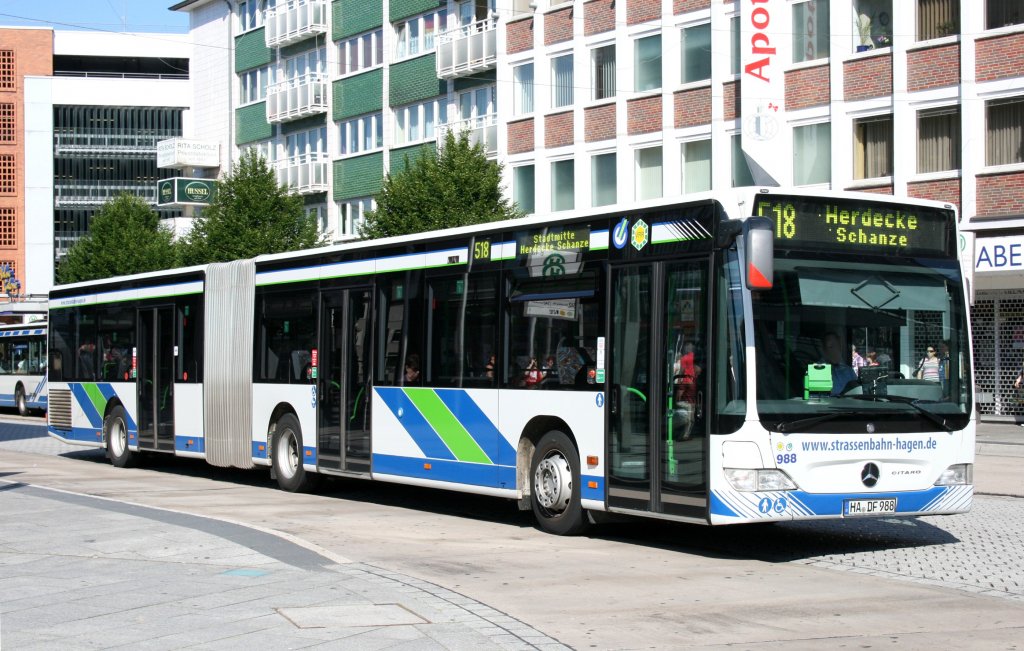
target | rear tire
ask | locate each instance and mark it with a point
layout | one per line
(20, 401)
(555, 486)
(115, 433)
(286, 448)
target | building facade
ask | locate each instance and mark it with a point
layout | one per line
(593, 103)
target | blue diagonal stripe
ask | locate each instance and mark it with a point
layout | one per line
(479, 426)
(108, 392)
(423, 435)
(95, 419)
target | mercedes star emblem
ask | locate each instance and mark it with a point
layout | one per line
(869, 475)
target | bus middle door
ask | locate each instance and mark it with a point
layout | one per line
(155, 381)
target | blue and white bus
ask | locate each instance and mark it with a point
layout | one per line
(691, 361)
(23, 366)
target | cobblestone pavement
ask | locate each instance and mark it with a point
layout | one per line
(978, 552)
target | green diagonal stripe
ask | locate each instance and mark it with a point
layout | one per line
(96, 397)
(451, 431)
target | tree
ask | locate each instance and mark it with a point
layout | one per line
(249, 215)
(457, 187)
(125, 237)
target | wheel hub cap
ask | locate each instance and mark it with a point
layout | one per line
(553, 482)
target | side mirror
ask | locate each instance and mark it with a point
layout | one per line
(758, 253)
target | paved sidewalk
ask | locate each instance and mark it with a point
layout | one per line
(121, 576)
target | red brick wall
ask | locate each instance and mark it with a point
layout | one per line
(878, 189)
(865, 78)
(643, 115)
(520, 136)
(683, 6)
(730, 95)
(33, 55)
(946, 190)
(519, 36)
(692, 107)
(934, 67)
(558, 130)
(807, 87)
(598, 16)
(558, 26)
(999, 57)
(599, 123)
(641, 11)
(1001, 194)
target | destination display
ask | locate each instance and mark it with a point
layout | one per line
(857, 226)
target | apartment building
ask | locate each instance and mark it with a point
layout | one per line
(80, 116)
(592, 103)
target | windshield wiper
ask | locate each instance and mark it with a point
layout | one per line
(903, 400)
(802, 423)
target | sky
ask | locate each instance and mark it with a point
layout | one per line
(102, 15)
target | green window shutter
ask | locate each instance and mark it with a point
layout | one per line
(399, 9)
(361, 176)
(359, 94)
(353, 17)
(251, 51)
(251, 124)
(398, 157)
(414, 81)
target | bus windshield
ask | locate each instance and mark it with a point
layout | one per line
(862, 345)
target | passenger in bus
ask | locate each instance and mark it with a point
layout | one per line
(842, 373)
(489, 367)
(532, 376)
(87, 361)
(412, 369)
(872, 358)
(685, 374)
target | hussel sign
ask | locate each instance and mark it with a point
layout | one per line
(764, 46)
(182, 191)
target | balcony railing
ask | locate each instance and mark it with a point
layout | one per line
(482, 130)
(467, 49)
(78, 194)
(295, 20)
(86, 143)
(305, 174)
(297, 98)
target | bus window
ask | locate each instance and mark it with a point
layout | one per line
(400, 329)
(85, 344)
(285, 336)
(463, 332)
(189, 339)
(116, 327)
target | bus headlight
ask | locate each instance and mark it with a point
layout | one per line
(956, 475)
(759, 479)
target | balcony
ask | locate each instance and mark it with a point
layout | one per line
(86, 194)
(482, 130)
(467, 49)
(305, 174)
(294, 99)
(95, 143)
(295, 20)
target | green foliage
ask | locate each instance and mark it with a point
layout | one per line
(125, 237)
(250, 215)
(457, 187)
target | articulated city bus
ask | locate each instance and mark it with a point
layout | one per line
(23, 366)
(754, 355)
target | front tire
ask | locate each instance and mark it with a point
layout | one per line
(115, 432)
(287, 456)
(555, 486)
(20, 401)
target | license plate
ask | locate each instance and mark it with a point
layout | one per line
(869, 507)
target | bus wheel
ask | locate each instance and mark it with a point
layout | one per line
(287, 456)
(115, 431)
(555, 491)
(20, 401)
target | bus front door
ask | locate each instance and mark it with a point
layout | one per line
(656, 388)
(343, 383)
(155, 378)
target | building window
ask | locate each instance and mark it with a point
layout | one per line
(351, 214)
(254, 84)
(603, 66)
(810, 30)
(8, 228)
(648, 173)
(937, 18)
(1004, 131)
(8, 183)
(522, 89)
(741, 175)
(872, 22)
(524, 188)
(872, 147)
(418, 122)
(812, 154)
(417, 35)
(7, 70)
(734, 45)
(361, 52)
(647, 63)
(297, 67)
(252, 13)
(696, 48)
(305, 143)
(362, 134)
(561, 76)
(696, 166)
(563, 185)
(267, 149)
(7, 128)
(938, 140)
(603, 180)
(1000, 13)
